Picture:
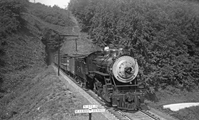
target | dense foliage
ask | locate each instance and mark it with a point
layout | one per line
(52, 39)
(10, 15)
(10, 22)
(162, 34)
(53, 15)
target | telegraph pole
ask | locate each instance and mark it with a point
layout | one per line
(59, 61)
(59, 58)
(76, 44)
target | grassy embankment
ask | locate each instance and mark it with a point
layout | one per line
(28, 89)
(44, 97)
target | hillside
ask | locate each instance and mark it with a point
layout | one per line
(23, 54)
(45, 97)
(21, 48)
(83, 41)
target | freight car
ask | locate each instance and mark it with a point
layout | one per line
(110, 73)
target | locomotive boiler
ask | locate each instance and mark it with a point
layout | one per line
(124, 68)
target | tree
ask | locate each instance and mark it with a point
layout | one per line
(52, 41)
(163, 35)
(10, 15)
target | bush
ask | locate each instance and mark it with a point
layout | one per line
(10, 16)
(53, 15)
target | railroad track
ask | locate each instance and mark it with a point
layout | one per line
(118, 114)
(125, 115)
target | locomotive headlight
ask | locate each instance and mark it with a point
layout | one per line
(125, 69)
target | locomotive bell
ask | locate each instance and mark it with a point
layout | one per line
(125, 69)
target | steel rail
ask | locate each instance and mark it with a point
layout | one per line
(120, 115)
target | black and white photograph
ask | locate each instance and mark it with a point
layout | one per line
(99, 59)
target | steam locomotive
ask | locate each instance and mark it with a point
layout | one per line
(110, 73)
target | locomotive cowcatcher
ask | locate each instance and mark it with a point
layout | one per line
(110, 73)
